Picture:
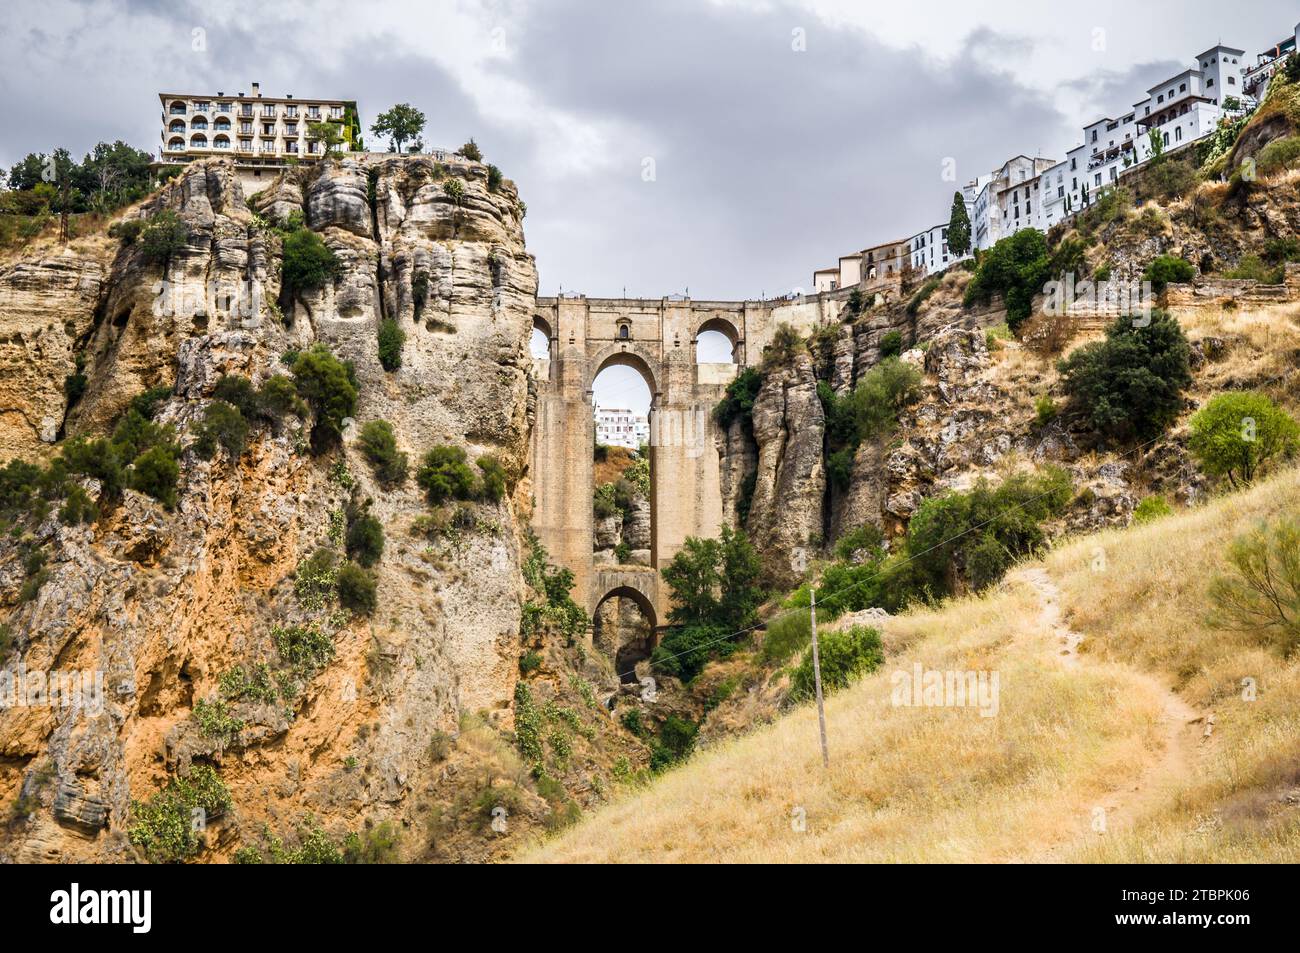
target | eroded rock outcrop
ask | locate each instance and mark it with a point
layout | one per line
(164, 603)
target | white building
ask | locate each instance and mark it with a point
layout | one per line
(262, 134)
(620, 427)
(1009, 201)
(1182, 109)
(929, 250)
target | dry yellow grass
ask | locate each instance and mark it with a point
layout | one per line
(944, 784)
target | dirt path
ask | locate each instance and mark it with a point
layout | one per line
(1182, 733)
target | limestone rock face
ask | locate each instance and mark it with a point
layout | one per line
(164, 603)
(786, 511)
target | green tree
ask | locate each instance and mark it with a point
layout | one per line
(163, 237)
(365, 539)
(1238, 434)
(471, 151)
(328, 134)
(845, 655)
(1016, 267)
(715, 581)
(1130, 384)
(399, 125)
(958, 226)
(327, 385)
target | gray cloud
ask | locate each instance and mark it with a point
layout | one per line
(768, 162)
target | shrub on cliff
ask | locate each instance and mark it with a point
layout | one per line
(356, 589)
(378, 445)
(493, 485)
(1166, 269)
(1131, 384)
(164, 828)
(328, 386)
(1016, 267)
(365, 539)
(156, 473)
(308, 263)
(444, 475)
(391, 339)
(738, 402)
(163, 237)
(715, 581)
(867, 412)
(223, 425)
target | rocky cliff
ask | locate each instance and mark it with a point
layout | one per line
(164, 603)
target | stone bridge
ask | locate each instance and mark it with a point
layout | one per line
(657, 338)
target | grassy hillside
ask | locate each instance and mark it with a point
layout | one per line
(1113, 734)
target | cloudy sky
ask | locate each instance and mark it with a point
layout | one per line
(727, 147)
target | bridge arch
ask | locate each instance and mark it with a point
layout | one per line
(724, 327)
(626, 647)
(626, 354)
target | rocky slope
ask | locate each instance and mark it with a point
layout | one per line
(163, 603)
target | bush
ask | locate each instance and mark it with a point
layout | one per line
(365, 540)
(391, 339)
(378, 445)
(1278, 155)
(1166, 269)
(1238, 435)
(529, 662)
(844, 655)
(1263, 593)
(471, 151)
(222, 425)
(738, 404)
(1015, 267)
(493, 178)
(238, 391)
(684, 651)
(356, 588)
(675, 742)
(1045, 410)
(978, 533)
(163, 237)
(156, 472)
(867, 412)
(786, 634)
(891, 344)
(308, 263)
(1253, 267)
(164, 827)
(865, 540)
(327, 385)
(444, 475)
(127, 230)
(914, 306)
(1130, 384)
(277, 397)
(494, 478)
(146, 402)
(1150, 509)
(785, 344)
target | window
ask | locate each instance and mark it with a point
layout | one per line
(246, 109)
(291, 111)
(336, 112)
(1209, 82)
(246, 128)
(1094, 135)
(1232, 81)
(1060, 191)
(291, 129)
(1160, 98)
(268, 129)
(268, 111)
(224, 107)
(1182, 87)
(313, 112)
(1096, 179)
(1178, 134)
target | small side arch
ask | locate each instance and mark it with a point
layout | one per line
(727, 329)
(636, 595)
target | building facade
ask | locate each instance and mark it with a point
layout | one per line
(620, 427)
(262, 134)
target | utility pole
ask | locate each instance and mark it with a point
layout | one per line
(817, 681)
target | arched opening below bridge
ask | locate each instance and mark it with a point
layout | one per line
(623, 628)
(540, 343)
(716, 343)
(622, 400)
